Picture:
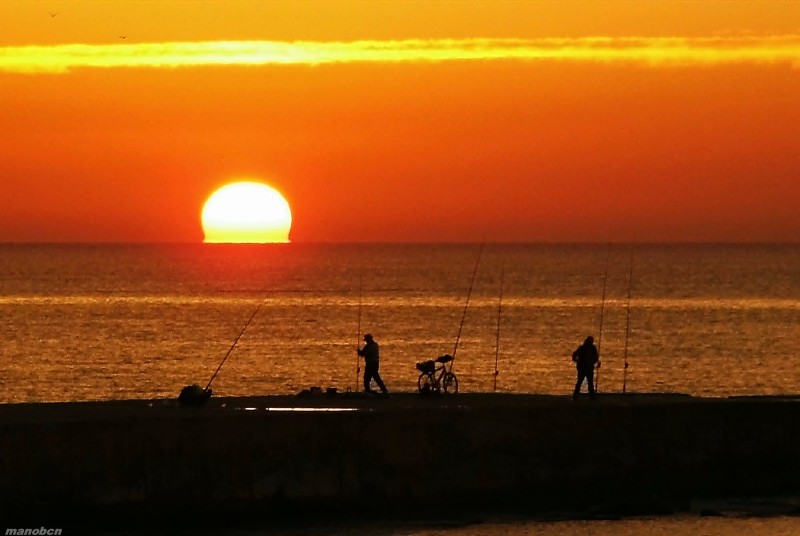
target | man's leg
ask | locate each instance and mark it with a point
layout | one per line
(379, 381)
(367, 377)
(578, 385)
(590, 382)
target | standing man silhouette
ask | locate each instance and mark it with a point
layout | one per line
(585, 358)
(370, 352)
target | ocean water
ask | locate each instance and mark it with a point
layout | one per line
(100, 322)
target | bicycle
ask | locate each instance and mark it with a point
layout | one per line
(435, 377)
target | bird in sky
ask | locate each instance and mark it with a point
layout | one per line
(52, 15)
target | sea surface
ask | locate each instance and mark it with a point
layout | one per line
(104, 322)
(100, 322)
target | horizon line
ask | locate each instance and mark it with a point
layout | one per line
(412, 243)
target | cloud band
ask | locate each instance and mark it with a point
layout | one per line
(648, 51)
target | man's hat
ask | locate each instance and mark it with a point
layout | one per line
(367, 337)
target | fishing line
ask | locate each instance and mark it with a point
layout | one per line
(600, 331)
(234, 343)
(497, 343)
(358, 336)
(627, 326)
(464, 314)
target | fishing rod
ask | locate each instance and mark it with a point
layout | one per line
(600, 332)
(234, 344)
(464, 314)
(358, 336)
(497, 343)
(193, 395)
(627, 326)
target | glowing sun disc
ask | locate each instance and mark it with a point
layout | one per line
(246, 212)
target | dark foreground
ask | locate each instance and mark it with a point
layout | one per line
(289, 459)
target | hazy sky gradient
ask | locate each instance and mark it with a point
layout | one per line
(404, 121)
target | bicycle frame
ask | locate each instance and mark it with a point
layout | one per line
(436, 379)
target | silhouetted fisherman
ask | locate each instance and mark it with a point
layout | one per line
(370, 352)
(585, 358)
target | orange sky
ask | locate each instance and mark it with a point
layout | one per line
(567, 121)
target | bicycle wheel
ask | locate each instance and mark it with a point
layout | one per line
(425, 383)
(450, 383)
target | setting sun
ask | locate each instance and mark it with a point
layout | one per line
(246, 212)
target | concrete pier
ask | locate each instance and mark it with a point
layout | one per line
(268, 458)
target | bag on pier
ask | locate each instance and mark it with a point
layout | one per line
(194, 395)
